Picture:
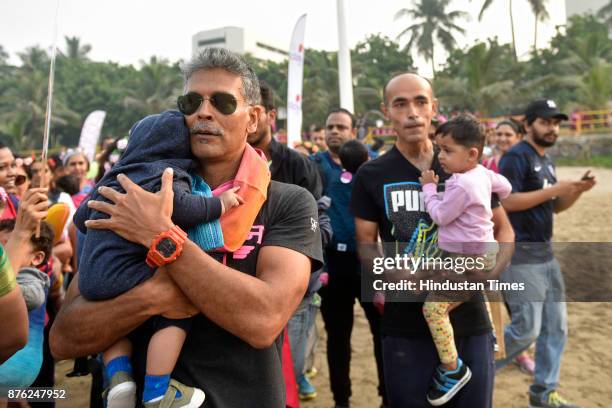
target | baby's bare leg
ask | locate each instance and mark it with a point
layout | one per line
(121, 348)
(164, 349)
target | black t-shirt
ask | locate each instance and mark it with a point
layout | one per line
(289, 166)
(387, 191)
(231, 372)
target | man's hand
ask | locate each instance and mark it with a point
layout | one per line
(587, 181)
(137, 215)
(428, 176)
(172, 300)
(566, 187)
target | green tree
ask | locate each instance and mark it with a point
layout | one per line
(431, 22)
(374, 61)
(321, 92)
(22, 117)
(3, 56)
(486, 5)
(541, 14)
(75, 50)
(576, 64)
(605, 14)
(158, 85)
(480, 79)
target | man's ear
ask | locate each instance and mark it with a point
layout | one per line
(383, 109)
(434, 106)
(272, 117)
(254, 112)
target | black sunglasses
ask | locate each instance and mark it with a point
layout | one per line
(189, 103)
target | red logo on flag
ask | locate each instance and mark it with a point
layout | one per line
(298, 97)
(301, 48)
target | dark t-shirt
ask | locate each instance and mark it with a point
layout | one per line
(289, 166)
(231, 372)
(387, 191)
(528, 171)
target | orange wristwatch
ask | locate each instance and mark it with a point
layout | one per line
(166, 247)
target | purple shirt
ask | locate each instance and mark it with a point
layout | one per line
(464, 213)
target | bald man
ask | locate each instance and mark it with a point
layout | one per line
(387, 200)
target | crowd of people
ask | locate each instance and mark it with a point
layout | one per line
(190, 270)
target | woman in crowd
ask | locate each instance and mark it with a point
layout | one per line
(77, 164)
(507, 134)
(22, 179)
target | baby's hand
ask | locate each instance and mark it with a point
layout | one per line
(428, 176)
(230, 199)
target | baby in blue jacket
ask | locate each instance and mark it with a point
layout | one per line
(111, 265)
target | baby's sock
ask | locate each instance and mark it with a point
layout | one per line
(155, 386)
(119, 364)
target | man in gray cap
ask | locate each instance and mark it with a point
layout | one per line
(539, 312)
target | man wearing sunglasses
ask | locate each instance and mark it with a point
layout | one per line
(245, 298)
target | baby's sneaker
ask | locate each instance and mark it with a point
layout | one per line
(446, 384)
(122, 391)
(179, 396)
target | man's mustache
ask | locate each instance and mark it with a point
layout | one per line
(205, 127)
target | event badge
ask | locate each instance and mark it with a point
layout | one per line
(346, 177)
(341, 247)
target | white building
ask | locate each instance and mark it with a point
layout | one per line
(234, 39)
(573, 7)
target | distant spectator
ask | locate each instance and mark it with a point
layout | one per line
(317, 136)
(507, 134)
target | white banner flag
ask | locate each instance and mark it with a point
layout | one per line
(296, 79)
(91, 133)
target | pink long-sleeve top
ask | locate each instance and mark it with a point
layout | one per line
(463, 213)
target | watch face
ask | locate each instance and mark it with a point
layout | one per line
(166, 247)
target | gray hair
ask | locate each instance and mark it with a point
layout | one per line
(211, 58)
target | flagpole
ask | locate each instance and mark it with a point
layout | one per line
(345, 76)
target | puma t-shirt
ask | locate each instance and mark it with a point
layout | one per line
(387, 191)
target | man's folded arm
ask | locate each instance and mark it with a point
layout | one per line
(85, 327)
(253, 308)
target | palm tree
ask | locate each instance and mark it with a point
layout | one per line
(605, 13)
(431, 21)
(485, 6)
(34, 59)
(3, 55)
(159, 84)
(482, 80)
(24, 102)
(74, 49)
(541, 14)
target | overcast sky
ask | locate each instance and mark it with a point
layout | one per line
(128, 31)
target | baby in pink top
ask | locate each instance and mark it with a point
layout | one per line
(463, 215)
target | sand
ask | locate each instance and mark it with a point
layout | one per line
(586, 378)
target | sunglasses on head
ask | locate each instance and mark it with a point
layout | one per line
(189, 103)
